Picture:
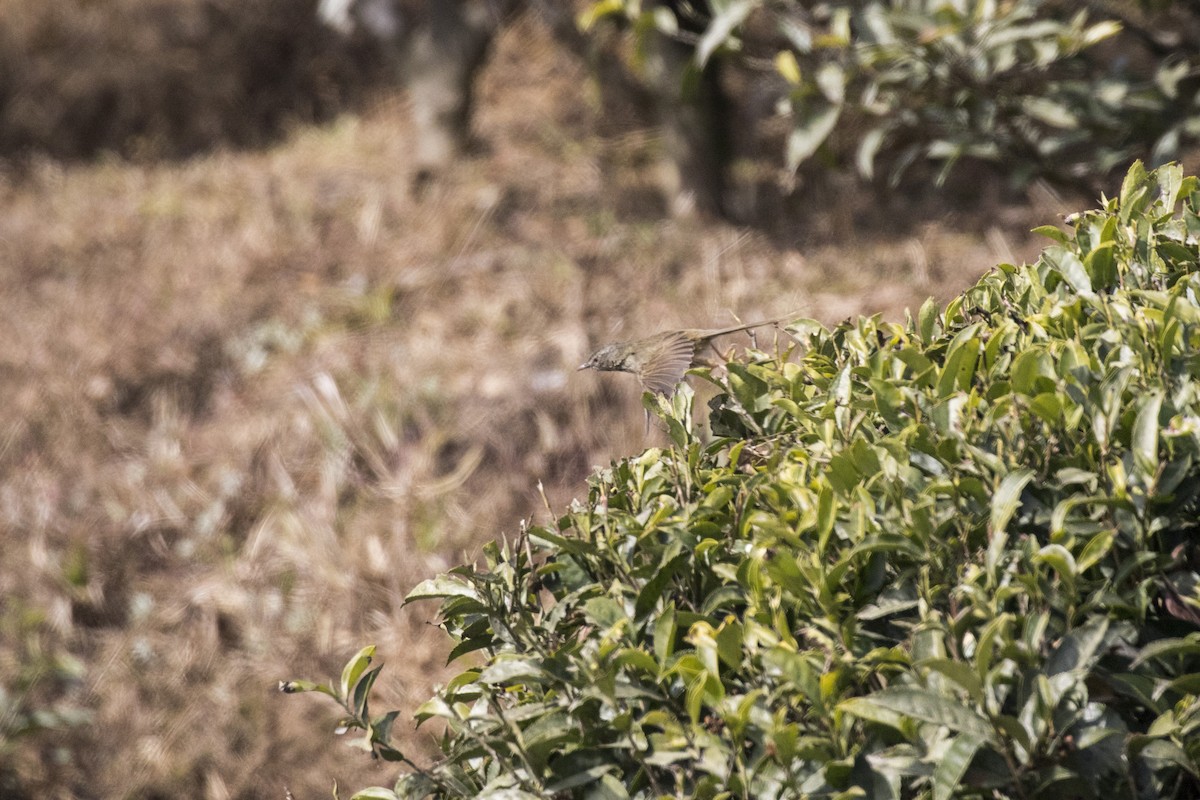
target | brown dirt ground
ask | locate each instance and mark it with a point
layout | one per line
(249, 400)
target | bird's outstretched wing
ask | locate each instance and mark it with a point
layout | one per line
(663, 368)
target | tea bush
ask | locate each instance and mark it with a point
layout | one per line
(1062, 90)
(955, 557)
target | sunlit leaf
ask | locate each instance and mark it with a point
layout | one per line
(953, 765)
(925, 706)
(810, 132)
(355, 667)
(1145, 434)
(721, 27)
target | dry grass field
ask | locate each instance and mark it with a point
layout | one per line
(249, 399)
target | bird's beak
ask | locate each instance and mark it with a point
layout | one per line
(582, 366)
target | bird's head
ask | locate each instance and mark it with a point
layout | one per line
(609, 358)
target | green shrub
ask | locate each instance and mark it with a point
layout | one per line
(957, 557)
(1048, 88)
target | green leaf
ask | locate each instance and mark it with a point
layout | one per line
(1052, 232)
(721, 28)
(609, 788)
(729, 643)
(434, 707)
(1171, 753)
(1004, 504)
(959, 368)
(597, 11)
(926, 706)
(1145, 435)
(652, 592)
(959, 672)
(354, 669)
(1101, 265)
(374, 793)
(868, 148)
(1134, 192)
(1015, 730)
(298, 687)
(1079, 649)
(442, 586)
(1049, 407)
(827, 506)
(604, 612)
(639, 659)
(359, 699)
(579, 778)
(953, 765)
(664, 634)
(927, 320)
(1096, 549)
(1099, 31)
(1169, 178)
(1166, 648)
(1068, 264)
(788, 67)
(1030, 366)
(1059, 558)
(996, 629)
(1051, 113)
(510, 793)
(1183, 685)
(508, 670)
(864, 708)
(470, 645)
(810, 132)
(886, 543)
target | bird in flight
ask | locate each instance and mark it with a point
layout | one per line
(660, 361)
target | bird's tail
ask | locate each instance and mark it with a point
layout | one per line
(748, 325)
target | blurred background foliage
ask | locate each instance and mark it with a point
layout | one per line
(1068, 91)
(149, 79)
(254, 388)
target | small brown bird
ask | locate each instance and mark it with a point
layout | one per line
(660, 361)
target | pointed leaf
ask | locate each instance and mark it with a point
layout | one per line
(953, 765)
(355, 667)
(1145, 435)
(721, 28)
(926, 706)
